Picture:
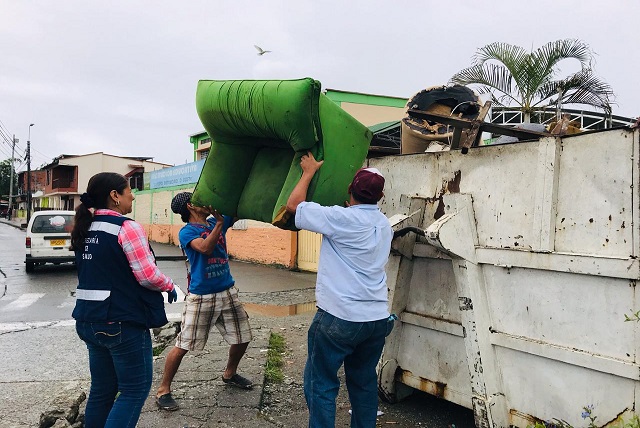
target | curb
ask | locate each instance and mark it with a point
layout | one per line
(11, 223)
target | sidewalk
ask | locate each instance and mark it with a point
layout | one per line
(272, 298)
(15, 222)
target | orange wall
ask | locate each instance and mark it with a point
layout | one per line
(270, 246)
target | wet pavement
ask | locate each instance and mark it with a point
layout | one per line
(205, 400)
(46, 361)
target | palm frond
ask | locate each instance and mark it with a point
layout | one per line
(488, 78)
(582, 87)
(543, 61)
(510, 55)
(589, 99)
(528, 78)
(551, 53)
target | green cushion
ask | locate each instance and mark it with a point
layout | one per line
(264, 185)
(281, 113)
(259, 131)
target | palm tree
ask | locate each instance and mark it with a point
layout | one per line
(528, 79)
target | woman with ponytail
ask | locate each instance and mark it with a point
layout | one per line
(118, 300)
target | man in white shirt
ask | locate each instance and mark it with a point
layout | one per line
(351, 295)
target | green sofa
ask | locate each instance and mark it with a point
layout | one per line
(259, 130)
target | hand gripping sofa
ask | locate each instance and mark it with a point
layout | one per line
(259, 130)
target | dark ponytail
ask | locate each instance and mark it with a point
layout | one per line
(97, 197)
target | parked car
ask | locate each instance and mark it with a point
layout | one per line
(49, 238)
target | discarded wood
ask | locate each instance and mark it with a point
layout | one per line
(483, 127)
(471, 137)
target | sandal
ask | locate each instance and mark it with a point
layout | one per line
(238, 381)
(166, 402)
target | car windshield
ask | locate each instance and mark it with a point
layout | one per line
(52, 223)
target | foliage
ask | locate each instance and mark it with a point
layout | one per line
(635, 316)
(587, 413)
(634, 422)
(5, 177)
(157, 350)
(273, 369)
(528, 79)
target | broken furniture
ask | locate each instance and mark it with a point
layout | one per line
(259, 131)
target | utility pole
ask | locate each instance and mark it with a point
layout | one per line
(13, 149)
(29, 175)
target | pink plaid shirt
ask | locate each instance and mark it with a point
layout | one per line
(136, 247)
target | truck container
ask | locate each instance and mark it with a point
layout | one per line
(513, 287)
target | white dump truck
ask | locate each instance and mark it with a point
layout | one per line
(513, 284)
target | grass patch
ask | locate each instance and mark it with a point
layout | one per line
(158, 350)
(273, 368)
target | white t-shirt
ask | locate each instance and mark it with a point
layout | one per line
(351, 282)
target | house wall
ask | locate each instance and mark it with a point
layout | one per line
(370, 115)
(88, 166)
(91, 164)
(201, 145)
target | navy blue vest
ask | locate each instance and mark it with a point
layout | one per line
(107, 289)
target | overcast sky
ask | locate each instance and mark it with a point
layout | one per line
(120, 76)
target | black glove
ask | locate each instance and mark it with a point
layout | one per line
(172, 295)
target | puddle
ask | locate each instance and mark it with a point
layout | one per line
(278, 310)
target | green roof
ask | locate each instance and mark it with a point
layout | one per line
(384, 126)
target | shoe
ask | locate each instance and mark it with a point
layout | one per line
(239, 381)
(166, 402)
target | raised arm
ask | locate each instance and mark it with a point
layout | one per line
(208, 244)
(309, 167)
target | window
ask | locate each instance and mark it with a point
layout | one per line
(55, 223)
(204, 154)
(136, 181)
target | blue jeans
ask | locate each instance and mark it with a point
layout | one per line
(120, 360)
(332, 342)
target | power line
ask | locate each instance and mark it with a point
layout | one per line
(5, 133)
(5, 137)
(5, 151)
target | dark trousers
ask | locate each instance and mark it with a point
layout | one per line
(358, 345)
(120, 361)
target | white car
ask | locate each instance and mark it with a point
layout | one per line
(49, 238)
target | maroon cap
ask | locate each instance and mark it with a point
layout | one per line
(367, 185)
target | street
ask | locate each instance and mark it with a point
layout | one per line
(38, 342)
(47, 295)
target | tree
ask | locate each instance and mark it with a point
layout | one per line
(528, 79)
(5, 177)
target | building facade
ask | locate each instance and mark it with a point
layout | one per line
(59, 184)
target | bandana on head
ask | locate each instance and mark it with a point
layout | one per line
(367, 185)
(180, 201)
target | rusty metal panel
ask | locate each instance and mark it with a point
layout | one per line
(549, 389)
(595, 205)
(525, 318)
(435, 357)
(500, 178)
(563, 309)
(433, 290)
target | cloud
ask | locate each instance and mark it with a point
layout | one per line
(121, 76)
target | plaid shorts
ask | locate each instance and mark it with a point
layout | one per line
(222, 309)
